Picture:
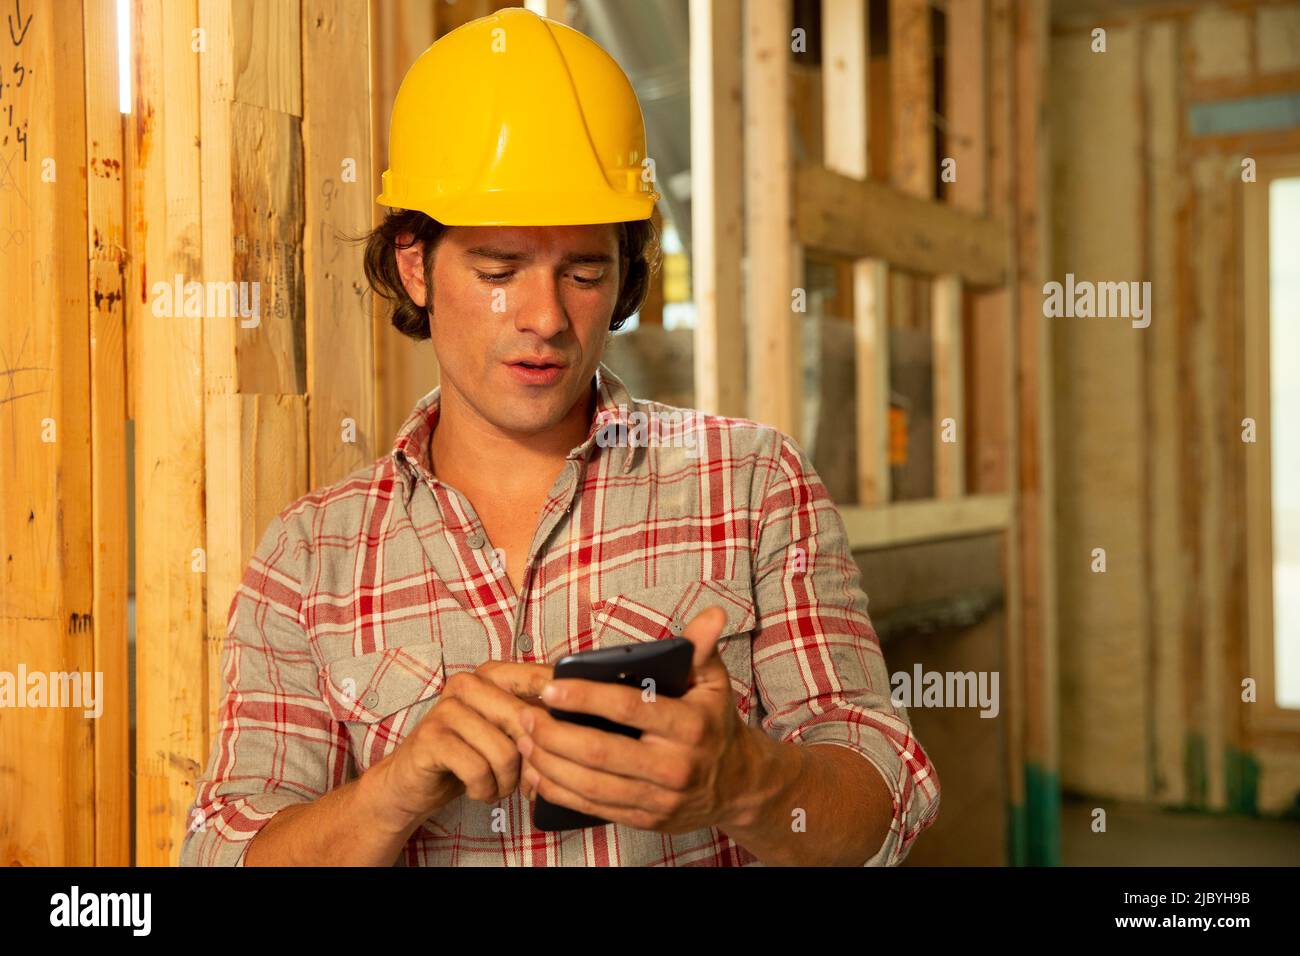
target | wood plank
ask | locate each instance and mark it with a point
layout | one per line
(1167, 564)
(106, 226)
(267, 70)
(336, 142)
(1037, 385)
(966, 66)
(400, 32)
(171, 742)
(871, 361)
(949, 387)
(775, 260)
(867, 219)
(995, 348)
(845, 92)
(911, 71)
(909, 522)
(717, 216)
(46, 532)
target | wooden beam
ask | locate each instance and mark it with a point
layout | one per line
(106, 228)
(966, 66)
(866, 219)
(399, 33)
(717, 160)
(337, 203)
(47, 784)
(911, 59)
(167, 217)
(1036, 470)
(912, 522)
(949, 388)
(871, 361)
(775, 260)
(845, 93)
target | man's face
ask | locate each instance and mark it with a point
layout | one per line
(503, 295)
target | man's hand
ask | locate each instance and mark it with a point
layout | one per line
(679, 776)
(466, 743)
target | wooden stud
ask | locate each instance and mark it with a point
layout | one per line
(47, 783)
(871, 361)
(336, 142)
(775, 260)
(171, 694)
(949, 388)
(966, 63)
(717, 155)
(106, 225)
(911, 56)
(399, 32)
(844, 86)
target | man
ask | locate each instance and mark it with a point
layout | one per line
(389, 654)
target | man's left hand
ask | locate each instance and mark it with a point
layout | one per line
(682, 773)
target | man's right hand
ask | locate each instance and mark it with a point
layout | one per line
(465, 744)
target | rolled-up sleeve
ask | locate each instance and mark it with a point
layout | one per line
(277, 743)
(818, 665)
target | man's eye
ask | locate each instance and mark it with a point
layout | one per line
(494, 277)
(588, 280)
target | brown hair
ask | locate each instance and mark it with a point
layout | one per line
(638, 248)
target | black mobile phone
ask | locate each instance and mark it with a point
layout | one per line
(666, 662)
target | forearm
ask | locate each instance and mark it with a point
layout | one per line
(847, 807)
(353, 825)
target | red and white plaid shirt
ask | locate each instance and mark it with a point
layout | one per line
(364, 597)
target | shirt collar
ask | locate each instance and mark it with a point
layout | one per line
(613, 402)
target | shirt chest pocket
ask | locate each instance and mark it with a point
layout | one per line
(380, 697)
(663, 611)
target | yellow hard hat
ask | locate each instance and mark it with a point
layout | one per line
(517, 120)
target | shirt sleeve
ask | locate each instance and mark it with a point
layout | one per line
(277, 743)
(818, 665)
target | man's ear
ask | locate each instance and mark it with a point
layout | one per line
(410, 266)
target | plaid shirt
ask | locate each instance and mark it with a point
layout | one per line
(364, 597)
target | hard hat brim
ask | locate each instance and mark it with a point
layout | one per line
(547, 208)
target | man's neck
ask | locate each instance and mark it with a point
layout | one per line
(469, 452)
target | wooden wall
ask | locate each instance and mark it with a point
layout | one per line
(1148, 451)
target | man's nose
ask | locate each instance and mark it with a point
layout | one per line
(541, 310)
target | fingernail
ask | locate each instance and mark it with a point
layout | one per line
(526, 721)
(532, 777)
(551, 694)
(525, 745)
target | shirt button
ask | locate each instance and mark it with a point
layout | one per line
(475, 540)
(371, 701)
(676, 627)
(525, 643)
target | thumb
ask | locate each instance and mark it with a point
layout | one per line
(704, 631)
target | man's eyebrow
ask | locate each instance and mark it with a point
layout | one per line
(509, 255)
